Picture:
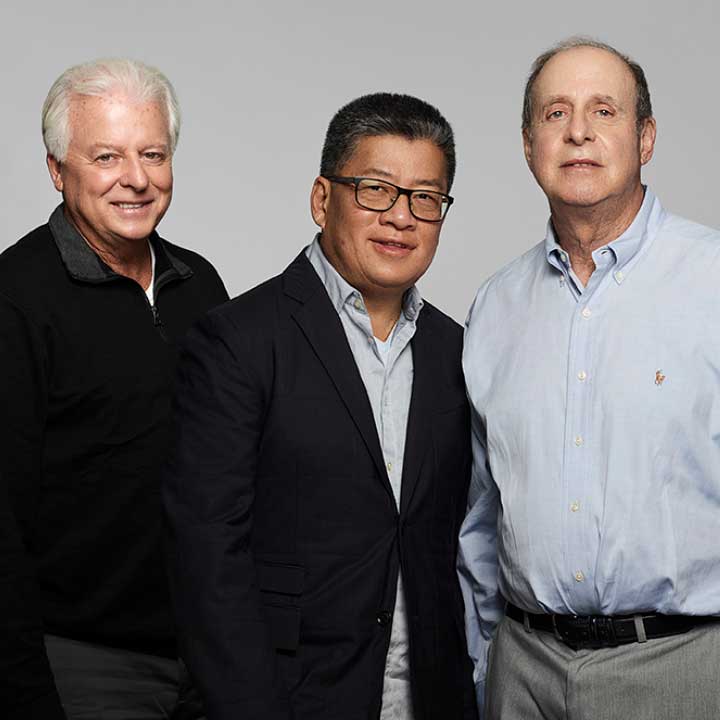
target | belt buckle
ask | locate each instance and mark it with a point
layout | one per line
(601, 631)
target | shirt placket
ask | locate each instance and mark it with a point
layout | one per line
(582, 443)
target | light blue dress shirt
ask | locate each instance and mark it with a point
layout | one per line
(596, 431)
(386, 369)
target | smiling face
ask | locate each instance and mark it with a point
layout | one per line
(381, 254)
(117, 178)
(583, 146)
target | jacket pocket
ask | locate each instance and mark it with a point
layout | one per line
(280, 588)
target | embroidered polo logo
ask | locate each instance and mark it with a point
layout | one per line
(659, 378)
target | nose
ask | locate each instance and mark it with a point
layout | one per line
(579, 129)
(134, 174)
(399, 214)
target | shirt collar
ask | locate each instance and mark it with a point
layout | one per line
(341, 292)
(83, 263)
(625, 248)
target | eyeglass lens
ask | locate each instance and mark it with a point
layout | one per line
(376, 195)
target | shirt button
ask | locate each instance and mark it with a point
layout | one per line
(575, 506)
(358, 304)
(370, 339)
(579, 440)
(586, 312)
(579, 577)
(619, 276)
(582, 375)
(389, 467)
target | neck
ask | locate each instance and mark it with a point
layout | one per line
(129, 258)
(582, 230)
(384, 312)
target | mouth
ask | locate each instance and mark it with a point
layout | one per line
(393, 245)
(131, 206)
(580, 163)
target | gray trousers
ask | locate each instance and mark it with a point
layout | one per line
(533, 675)
(96, 682)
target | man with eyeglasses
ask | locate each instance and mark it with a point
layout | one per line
(322, 454)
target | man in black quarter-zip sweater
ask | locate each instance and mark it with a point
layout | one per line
(91, 306)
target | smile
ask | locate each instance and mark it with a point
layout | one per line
(393, 244)
(131, 206)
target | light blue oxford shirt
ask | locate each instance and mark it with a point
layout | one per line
(386, 369)
(596, 431)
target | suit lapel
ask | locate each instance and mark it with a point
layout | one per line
(323, 329)
(427, 375)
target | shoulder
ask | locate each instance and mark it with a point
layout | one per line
(510, 284)
(203, 270)
(687, 236)
(245, 325)
(33, 262)
(440, 323)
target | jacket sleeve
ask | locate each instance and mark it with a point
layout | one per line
(221, 395)
(27, 686)
(478, 562)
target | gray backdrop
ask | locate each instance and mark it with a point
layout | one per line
(259, 81)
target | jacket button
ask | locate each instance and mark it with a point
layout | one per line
(384, 618)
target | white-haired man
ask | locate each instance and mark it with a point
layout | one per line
(592, 368)
(91, 305)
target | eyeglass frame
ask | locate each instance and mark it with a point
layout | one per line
(355, 181)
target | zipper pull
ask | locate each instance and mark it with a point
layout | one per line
(156, 316)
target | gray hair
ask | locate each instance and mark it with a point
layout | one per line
(643, 106)
(385, 114)
(100, 78)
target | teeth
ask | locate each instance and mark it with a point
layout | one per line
(129, 206)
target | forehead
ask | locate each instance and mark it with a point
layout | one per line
(585, 71)
(397, 158)
(115, 114)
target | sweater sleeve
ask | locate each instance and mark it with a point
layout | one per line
(27, 686)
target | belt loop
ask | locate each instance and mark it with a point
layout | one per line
(526, 622)
(640, 628)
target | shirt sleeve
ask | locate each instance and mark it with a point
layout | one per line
(478, 562)
(27, 686)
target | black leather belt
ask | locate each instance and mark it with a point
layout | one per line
(599, 631)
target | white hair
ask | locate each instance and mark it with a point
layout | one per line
(101, 78)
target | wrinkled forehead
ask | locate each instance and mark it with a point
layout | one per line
(583, 72)
(115, 110)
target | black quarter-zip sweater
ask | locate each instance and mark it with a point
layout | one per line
(86, 366)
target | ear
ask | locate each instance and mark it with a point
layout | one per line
(319, 198)
(527, 146)
(647, 140)
(55, 169)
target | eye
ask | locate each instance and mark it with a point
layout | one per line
(104, 158)
(604, 112)
(555, 114)
(154, 156)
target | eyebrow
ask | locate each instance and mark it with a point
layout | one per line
(377, 172)
(96, 147)
(609, 99)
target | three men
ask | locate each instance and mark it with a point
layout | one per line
(592, 365)
(322, 452)
(91, 305)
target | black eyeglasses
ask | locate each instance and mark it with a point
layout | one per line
(381, 195)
